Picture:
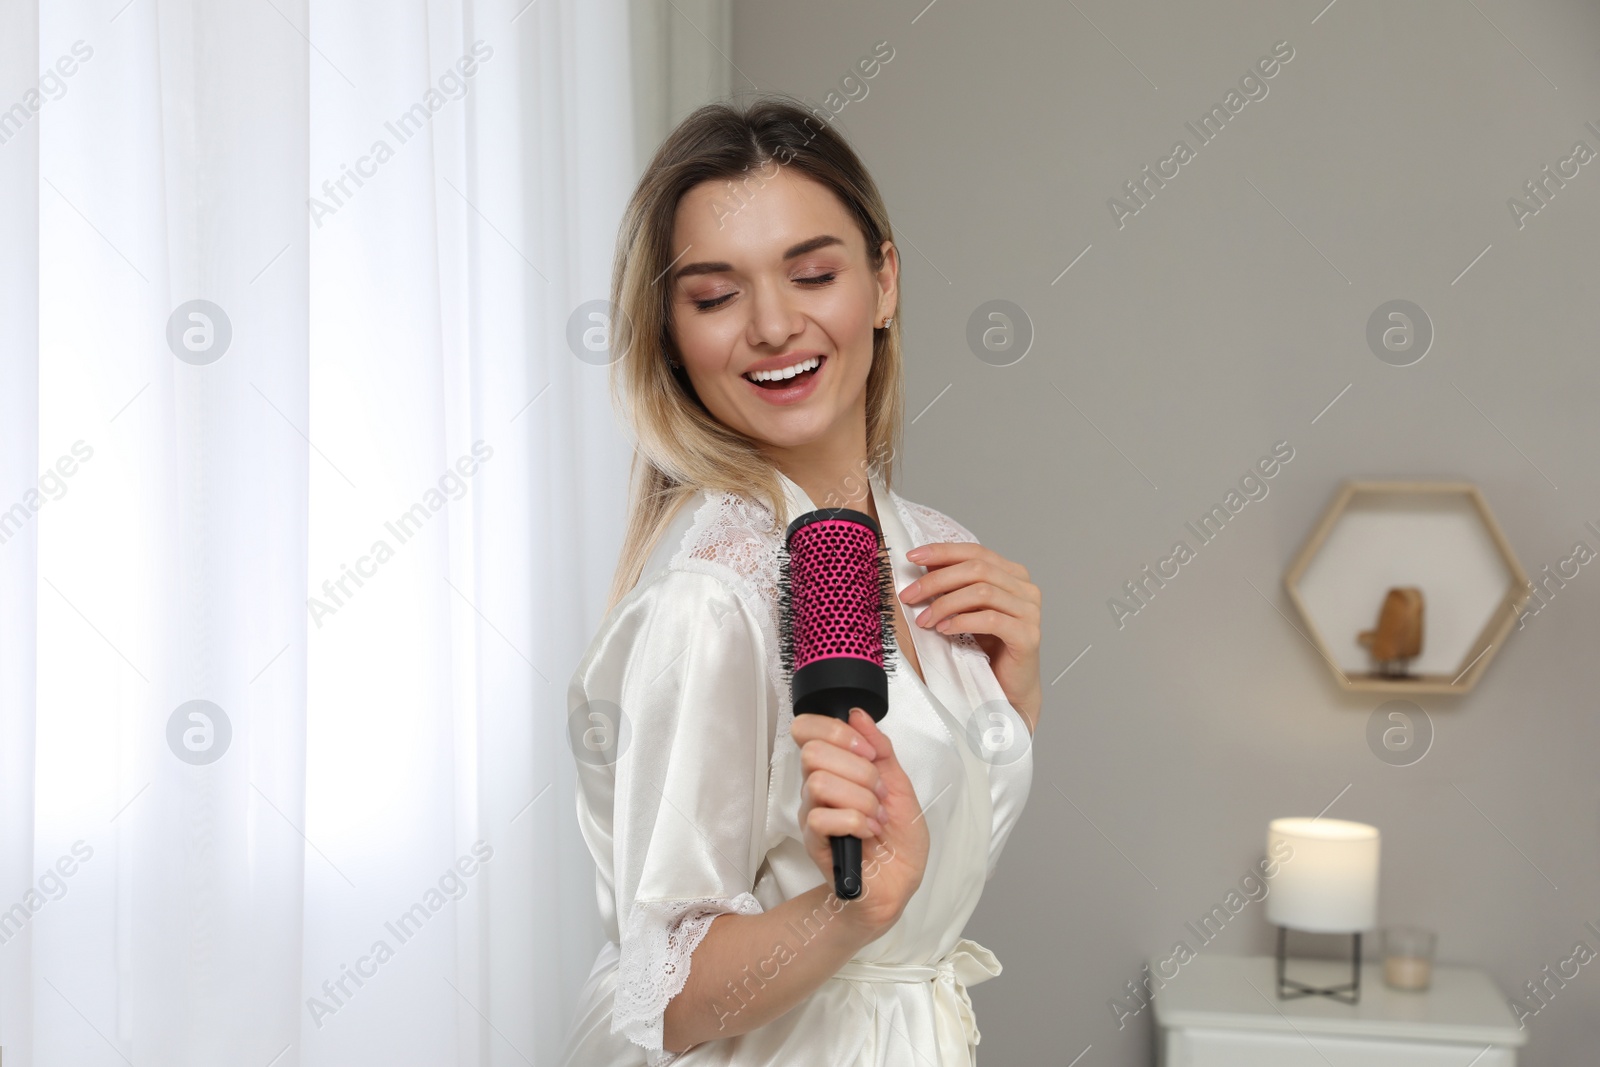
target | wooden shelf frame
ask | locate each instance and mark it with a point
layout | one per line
(1489, 640)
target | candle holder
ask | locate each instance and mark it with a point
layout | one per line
(1408, 957)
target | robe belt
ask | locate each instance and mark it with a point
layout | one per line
(968, 963)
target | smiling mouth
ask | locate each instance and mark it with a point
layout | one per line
(787, 376)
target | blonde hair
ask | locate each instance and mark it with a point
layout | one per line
(681, 448)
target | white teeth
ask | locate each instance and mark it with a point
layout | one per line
(784, 372)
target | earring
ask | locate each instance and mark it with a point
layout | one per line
(886, 323)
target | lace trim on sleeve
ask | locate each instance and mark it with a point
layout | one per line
(653, 963)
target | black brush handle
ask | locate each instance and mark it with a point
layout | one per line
(846, 866)
(846, 854)
(847, 883)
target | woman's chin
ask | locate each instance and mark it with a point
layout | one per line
(789, 429)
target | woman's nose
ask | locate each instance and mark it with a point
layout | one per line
(773, 317)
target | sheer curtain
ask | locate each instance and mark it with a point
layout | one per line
(307, 509)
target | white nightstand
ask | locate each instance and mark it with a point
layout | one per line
(1223, 1011)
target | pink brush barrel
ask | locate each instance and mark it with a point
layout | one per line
(839, 639)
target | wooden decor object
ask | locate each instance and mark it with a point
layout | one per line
(1398, 638)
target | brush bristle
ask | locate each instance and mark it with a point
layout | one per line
(785, 615)
(887, 605)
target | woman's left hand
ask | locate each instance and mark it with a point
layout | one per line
(975, 590)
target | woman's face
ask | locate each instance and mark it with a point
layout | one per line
(774, 279)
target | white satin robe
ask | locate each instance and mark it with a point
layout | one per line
(694, 812)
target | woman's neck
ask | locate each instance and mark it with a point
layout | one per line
(832, 469)
(848, 488)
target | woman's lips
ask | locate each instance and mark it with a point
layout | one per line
(793, 390)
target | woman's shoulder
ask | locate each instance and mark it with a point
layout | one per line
(728, 536)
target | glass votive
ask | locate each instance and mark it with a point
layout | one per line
(1407, 957)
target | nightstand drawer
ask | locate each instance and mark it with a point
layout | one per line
(1198, 1047)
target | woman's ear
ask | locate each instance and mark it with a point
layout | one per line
(888, 281)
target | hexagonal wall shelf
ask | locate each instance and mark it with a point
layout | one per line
(1437, 536)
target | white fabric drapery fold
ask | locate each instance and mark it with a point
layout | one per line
(311, 506)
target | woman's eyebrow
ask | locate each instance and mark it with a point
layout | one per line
(709, 267)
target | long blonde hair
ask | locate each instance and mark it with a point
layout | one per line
(681, 448)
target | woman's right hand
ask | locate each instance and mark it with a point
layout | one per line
(855, 786)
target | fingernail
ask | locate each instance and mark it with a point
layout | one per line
(909, 593)
(880, 789)
(916, 553)
(883, 816)
(875, 827)
(922, 620)
(944, 624)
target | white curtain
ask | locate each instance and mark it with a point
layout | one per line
(307, 510)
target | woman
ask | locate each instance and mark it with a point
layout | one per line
(756, 283)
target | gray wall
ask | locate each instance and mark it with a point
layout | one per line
(1221, 319)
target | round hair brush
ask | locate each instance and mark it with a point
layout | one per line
(836, 633)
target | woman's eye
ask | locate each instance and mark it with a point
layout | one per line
(711, 303)
(707, 305)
